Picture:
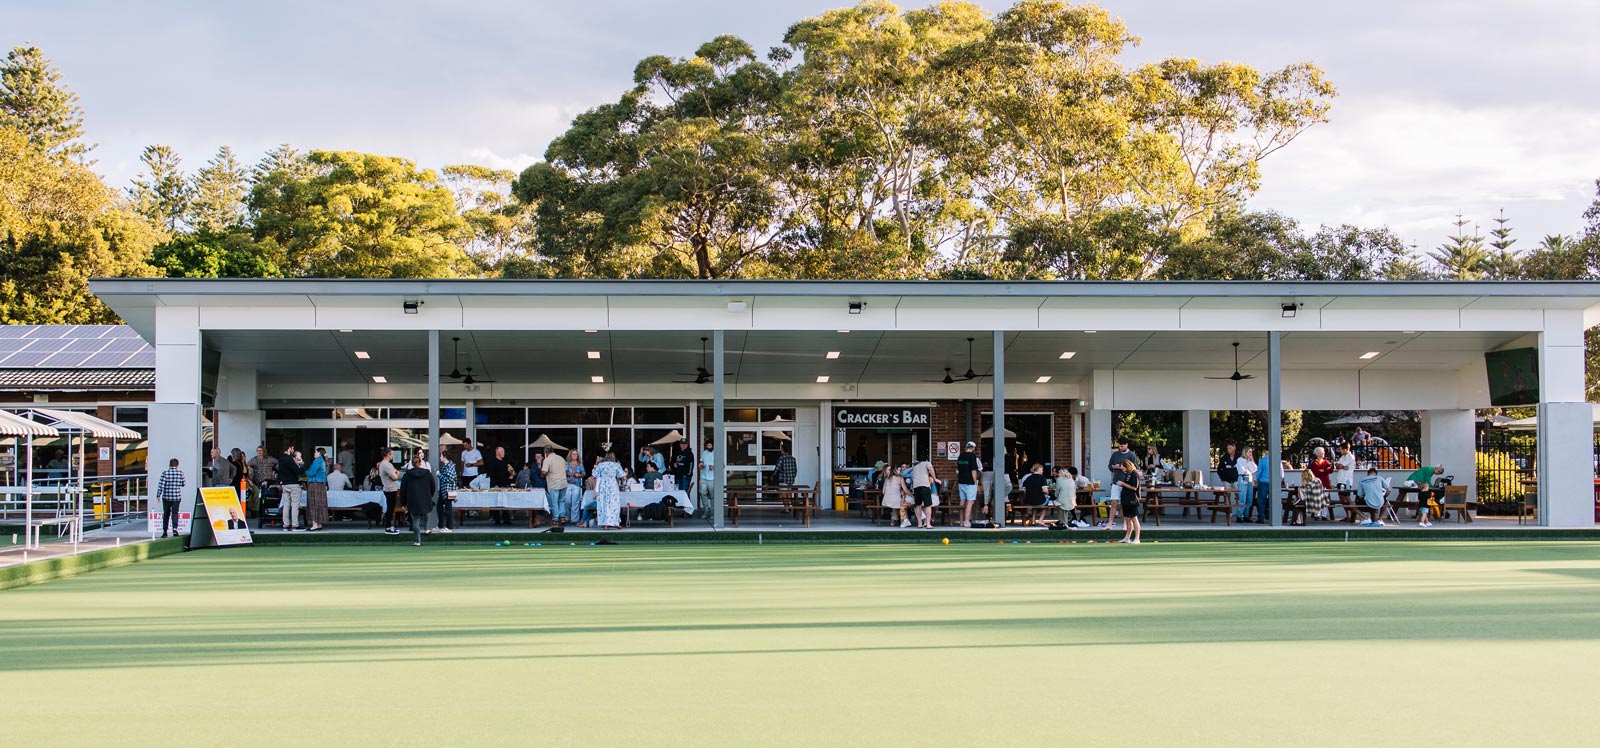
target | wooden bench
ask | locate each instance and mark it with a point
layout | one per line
(1221, 502)
(34, 534)
(796, 500)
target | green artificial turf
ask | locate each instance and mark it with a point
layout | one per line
(1192, 644)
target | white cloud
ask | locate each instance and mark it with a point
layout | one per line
(1411, 164)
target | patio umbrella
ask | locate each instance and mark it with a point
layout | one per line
(1355, 419)
(16, 425)
(542, 442)
(449, 440)
(672, 437)
(989, 434)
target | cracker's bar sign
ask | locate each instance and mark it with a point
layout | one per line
(885, 418)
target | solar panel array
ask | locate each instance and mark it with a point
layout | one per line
(73, 346)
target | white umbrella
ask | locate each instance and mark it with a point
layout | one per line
(449, 440)
(1354, 420)
(989, 434)
(672, 437)
(542, 442)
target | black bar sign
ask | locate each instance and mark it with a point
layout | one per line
(864, 418)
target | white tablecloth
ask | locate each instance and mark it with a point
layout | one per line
(353, 499)
(532, 499)
(641, 498)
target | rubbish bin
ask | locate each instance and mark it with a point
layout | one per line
(841, 491)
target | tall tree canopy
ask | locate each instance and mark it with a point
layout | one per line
(59, 226)
(35, 102)
(886, 143)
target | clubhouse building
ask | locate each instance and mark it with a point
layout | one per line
(844, 374)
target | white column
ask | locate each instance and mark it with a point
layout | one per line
(719, 423)
(1274, 453)
(825, 452)
(1074, 444)
(1566, 431)
(1447, 439)
(240, 421)
(1197, 443)
(175, 414)
(997, 501)
(1099, 447)
(434, 449)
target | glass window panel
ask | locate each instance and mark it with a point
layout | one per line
(132, 416)
(734, 415)
(283, 414)
(605, 416)
(668, 416)
(502, 416)
(550, 416)
(742, 449)
(768, 414)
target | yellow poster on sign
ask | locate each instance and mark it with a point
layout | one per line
(225, 516)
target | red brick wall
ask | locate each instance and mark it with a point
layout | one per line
(950, 424)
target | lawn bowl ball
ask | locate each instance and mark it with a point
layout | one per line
(946, 541)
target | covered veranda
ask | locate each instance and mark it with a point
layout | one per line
(786, 357)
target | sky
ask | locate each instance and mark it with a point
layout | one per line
(1444, 105)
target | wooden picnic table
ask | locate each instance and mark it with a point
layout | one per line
(1220, 500)
(795, 500)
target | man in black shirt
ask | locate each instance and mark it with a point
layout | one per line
(683, 465)
(501, 475)
(968, 468)
(289, 489)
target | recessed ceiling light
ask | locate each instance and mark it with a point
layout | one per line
(1041, 380)
(363, 355)
(833, 354)
(842, 331)
(1409, 332)
(597, 379)
(1370, 354)
(822, 379)
(347, 331)
(1090, 332)
(594, 354)
(591, 331)
(380, 380)
(1068, 354)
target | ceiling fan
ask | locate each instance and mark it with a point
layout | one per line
(701, 375)
(970, 375)
(1235, 376)
(469, 379)
(455, 360)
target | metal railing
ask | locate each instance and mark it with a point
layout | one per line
(105, 501)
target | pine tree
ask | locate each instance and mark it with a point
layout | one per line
(35, 102)
(162, 193)
(1463, 256)
(217, 193)
(1503, 262)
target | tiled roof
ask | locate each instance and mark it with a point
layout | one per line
(73, 346)
(76, 379)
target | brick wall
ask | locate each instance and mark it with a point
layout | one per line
(950, 424)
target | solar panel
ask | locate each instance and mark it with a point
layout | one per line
(85, 331)
(125, 345)
(65, 359)
(15, 331)
(12, 345)
(26, 358)
(46, 345)
(47, 331)
(85, 345)
(106, 360)
(141, 360)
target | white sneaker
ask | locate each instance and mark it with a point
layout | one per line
(1135, 541)
(445, 529)
(905, 523)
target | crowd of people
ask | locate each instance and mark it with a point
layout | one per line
(425, 494)
(909, 491)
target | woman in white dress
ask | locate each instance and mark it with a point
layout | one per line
(895, 494)
(608, 502)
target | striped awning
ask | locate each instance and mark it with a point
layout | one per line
(85, 423)
(12, 424)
